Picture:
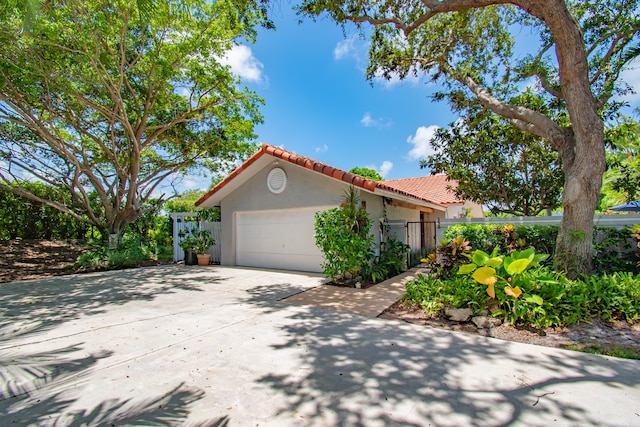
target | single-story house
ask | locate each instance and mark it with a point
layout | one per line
(268, 204)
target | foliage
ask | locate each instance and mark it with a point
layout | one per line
(27, 219)
(434, 294)
(621, 180)
(129, 253)
(448, 256)
(613, 296)
(635, 233)
(524, 293)
(479, 236)
(366, 173)
(509, 271)
(612, 247)
(109, 103)
(186, 203)
(613, 250)
(195, 240)
(393, 256)
(482, 146)
(343, 237)
(468, 49)
(544, 297)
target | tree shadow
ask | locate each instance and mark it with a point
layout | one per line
(58, 299)
(357, 371)
(37, 389)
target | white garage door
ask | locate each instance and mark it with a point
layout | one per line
(280, 239)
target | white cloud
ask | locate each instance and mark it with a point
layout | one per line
(631, 75)
(420, 141)
(383, 169)
(369, 121)
(242, 62)
(344, 48)
(322, 149)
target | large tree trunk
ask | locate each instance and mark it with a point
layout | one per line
(580, 197)
(582, 150)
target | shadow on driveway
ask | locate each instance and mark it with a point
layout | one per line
(371, 372)
(199, 343)
(33, 307)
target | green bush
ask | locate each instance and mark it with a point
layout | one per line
(129, 253)
(434, 294)
(613, 248)
(558, 300)
(393, 255)
(613, 296)
(486, 237)
(479, 236)
(343, 237)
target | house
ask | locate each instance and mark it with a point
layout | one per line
(268, 204)
(438, 188)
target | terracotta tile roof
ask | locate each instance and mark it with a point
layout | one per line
(391, 186)
(437, 188)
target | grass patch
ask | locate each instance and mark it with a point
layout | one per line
(613, 351)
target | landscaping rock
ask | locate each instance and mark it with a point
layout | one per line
(458, 314)
(485, 322)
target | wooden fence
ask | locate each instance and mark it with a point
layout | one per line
(188, 220)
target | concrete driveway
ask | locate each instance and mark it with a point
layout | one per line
(214, 346)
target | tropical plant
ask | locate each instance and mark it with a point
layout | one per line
(342, 234)
(393, 255)
(449, 255)
(195, 240)
(493, 269)
(510, 238)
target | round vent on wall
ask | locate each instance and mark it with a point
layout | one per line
(277, 180)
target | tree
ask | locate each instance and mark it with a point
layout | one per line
(109, 102)
(466, 46)
(622, 178)
(366, 173)
(483, 146)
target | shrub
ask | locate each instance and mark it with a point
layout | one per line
(449, 255)
(434, 294)
(528, 293)
(343, 237)
(486, 237)
(129, 253)
(613, 248)
(479, 236)
(613, 296)
(393, 255)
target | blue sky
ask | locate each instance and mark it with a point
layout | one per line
(319, 104)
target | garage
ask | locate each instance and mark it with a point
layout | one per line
(279, 239)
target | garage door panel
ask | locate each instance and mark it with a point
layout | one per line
(281, 239)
